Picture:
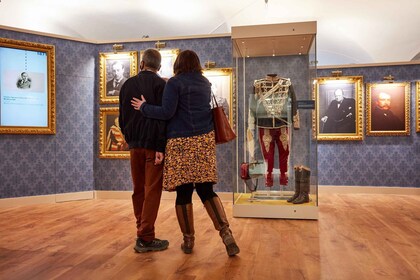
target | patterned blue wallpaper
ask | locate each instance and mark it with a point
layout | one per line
(68, 161)
(377, 160)
(60, 163)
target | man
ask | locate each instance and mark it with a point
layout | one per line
(339, 117)
(146, 139)
(24, 81)
(382, 116)
(113, 86)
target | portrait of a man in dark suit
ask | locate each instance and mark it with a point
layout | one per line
(383, 118)
(340, 115)
(118, 71)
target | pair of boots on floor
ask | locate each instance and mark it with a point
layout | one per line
(214, 208)
(302, 185)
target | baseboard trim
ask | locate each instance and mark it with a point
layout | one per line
(325, 189)
(42, 199)
(113, 194)
(63, 197)
(224, 196)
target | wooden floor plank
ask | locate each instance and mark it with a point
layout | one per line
(357, 236)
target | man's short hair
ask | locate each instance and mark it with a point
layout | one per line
(152, 58)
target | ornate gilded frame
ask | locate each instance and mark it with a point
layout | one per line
(167, 65)
(41, 91)
(323, 94)
(106, 116)
(222, 80)
(127, 59)
(418, 106)
(400, 106)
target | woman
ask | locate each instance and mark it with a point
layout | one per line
(191, 149)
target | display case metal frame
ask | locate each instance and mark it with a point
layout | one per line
(264, 48)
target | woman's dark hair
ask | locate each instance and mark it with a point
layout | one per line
(187, 61)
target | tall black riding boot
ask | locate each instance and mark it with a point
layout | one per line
(298, 174)
(184, 213)
(217, 214)
(304, 186)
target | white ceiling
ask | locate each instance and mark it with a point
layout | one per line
(349, 31)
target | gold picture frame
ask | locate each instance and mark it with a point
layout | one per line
(222, 80)
(418, 106)
(27, 82)
(111, 140)
(337, 119)
(166, 70)
(114, 70)
(388, 109)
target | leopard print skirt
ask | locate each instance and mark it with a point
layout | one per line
(190, 160)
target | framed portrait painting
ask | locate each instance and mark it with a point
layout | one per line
(418, 106)
(166, 70)
(388, 109)
(111, 140)
(221, 80)
(114, 70)
(339, 107)
(27, 88)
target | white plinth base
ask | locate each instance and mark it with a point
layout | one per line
(272, 209)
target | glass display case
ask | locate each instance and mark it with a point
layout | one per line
(275, 67)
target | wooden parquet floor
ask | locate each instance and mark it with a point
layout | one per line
(357, 236)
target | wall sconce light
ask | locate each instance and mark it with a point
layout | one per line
(117, 47)
(160, 45)
(389, 78)
(209, 64)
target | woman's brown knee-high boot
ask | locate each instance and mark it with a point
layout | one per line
(184, 213)
(217, 214)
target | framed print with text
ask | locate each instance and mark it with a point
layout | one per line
(114, 70)
(27, 88)
(221, 80)
(111, 140)
(339, 102)
(388, 109)
(418, 106)
(166, 70)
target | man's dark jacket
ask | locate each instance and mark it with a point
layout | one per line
(139, 131)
